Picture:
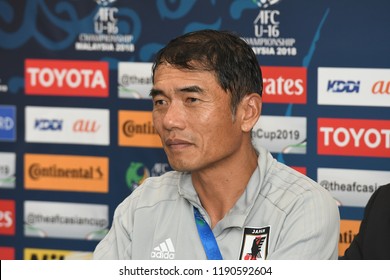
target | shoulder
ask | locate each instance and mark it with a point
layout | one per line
(379, 200)
(371, 242)
(153, 191)
(278, 179)
(288, 187)
(383, 190)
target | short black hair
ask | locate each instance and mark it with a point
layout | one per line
(222, 52)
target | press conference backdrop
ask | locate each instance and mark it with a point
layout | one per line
(76, 134)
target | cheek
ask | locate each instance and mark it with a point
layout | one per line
(157, 122)
(218, 129)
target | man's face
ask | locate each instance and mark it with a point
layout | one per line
(192, 115)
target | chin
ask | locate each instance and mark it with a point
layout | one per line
(180, 166)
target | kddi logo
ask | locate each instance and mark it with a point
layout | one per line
(339, 86)
(48, 124)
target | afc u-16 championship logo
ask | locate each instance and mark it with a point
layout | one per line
(106, 36)
(267, 38)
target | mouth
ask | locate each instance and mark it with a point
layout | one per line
(177, 144)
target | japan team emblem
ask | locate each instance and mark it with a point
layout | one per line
(255, 243)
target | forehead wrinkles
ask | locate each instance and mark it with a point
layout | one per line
(189, 78)
(190, 67)
(183, 79)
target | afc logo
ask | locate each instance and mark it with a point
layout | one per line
(106, 21)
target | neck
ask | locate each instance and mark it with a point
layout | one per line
(220, 187)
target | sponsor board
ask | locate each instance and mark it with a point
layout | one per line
(7, 217)
(136, 129)
(67, 125)
(49, 254)
(66, 77)
(351, 187)
(348, 230)
(353, 137)
(7, 123)
(7, 170)
(353, 86)
(66, 173)
(7, 253)
(284, 84)
(46, 219)
(281, 134)
(300, 169)
(134, 80)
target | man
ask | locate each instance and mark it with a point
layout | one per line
(372, 241)
(223, 194)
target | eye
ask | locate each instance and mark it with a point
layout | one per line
(192, 100)
(159, 102)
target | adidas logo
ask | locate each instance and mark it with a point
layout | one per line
(164, 251)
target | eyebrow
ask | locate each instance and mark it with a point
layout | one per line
(191, 89)
(154, 92)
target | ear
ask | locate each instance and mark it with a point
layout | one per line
(251, 110)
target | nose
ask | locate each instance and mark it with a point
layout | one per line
(174, 117)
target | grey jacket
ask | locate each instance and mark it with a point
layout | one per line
(281, 215)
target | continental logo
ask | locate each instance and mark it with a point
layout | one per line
(136, 129)
(45, 254)
(348, 231)
(66, 173)
(66, 77)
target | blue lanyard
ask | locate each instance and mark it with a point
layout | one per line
(207, 237)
